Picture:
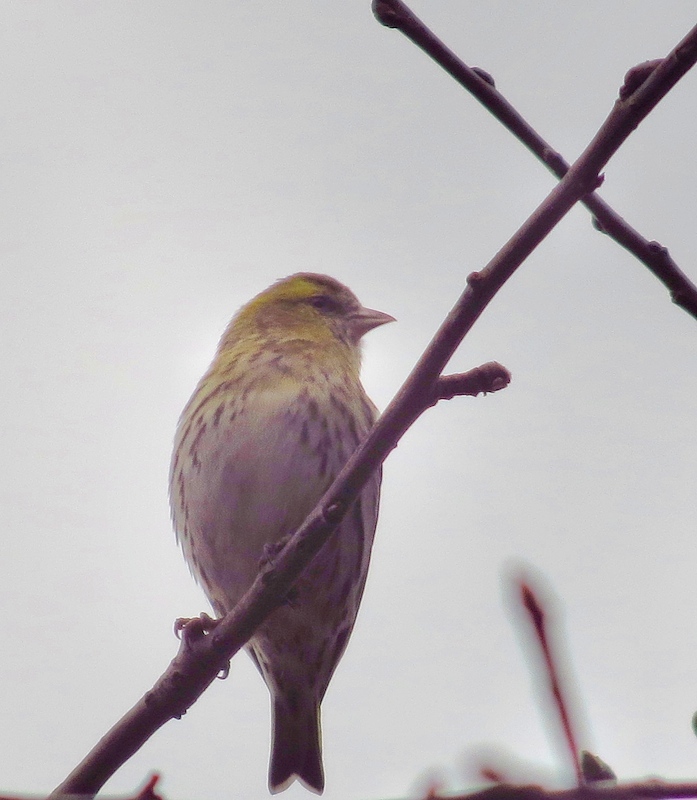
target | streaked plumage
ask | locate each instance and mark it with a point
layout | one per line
(268, 428)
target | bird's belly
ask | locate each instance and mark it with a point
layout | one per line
(243, 493)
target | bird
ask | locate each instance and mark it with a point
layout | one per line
(269, 426)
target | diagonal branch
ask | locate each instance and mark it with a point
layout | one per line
(396, 14)
(201, 657)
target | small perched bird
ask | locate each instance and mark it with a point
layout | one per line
(270, 425)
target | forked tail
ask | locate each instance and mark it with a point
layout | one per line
(296, 751)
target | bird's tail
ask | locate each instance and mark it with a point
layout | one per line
(296, 750)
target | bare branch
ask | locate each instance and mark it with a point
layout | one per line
(655, 790)
(201, 657)
(396, 14)
(146, 792)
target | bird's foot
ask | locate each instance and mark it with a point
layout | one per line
(270, 553)
(186, 628)
(191, 629)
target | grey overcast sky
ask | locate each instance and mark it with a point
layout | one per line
(162, 162)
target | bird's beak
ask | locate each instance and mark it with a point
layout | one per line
(365, 319)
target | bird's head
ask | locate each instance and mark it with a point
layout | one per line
(309, 307)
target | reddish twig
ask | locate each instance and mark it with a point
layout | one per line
(148, 792)
(536, 614)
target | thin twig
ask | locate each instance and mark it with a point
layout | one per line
(201, 658)
(489, 377)
(396, 14)
(537, 616)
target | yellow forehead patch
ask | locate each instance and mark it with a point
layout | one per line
(300, 287)
(296, 288)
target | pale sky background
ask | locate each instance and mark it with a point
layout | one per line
(162, 162)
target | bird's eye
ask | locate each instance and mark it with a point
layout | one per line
(323, 302)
